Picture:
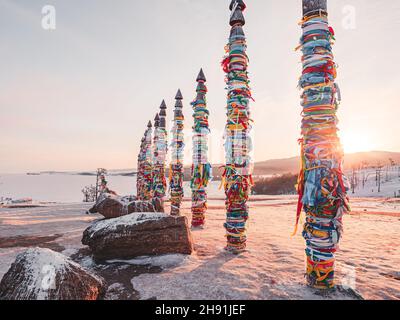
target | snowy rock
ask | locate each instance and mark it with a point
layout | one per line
(111, 206)
(138, 234)
(42, 274)
(114, 291)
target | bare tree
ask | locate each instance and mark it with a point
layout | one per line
(89, 193)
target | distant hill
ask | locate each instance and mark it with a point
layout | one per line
(292, 165)
(273, 166)
(277, 166)
(372, 158)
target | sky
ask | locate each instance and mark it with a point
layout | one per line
(79, 97)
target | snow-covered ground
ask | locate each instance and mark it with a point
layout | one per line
(390, 183)
(272, 268)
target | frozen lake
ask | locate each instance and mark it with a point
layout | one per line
(66, 188)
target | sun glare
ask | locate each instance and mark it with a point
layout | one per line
(356, 142)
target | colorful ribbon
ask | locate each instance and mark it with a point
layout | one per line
(201, 168)
(139, 177)
(146, 167)
(176, 168)
(237, 179)
(159, 155)
(103, 188)
(322, 187)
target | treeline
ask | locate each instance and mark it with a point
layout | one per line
(276, 185)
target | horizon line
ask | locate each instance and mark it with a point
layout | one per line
(213, 164)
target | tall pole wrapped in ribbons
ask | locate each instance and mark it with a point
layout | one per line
(201, 168)
(322, 187)
(102, 187)
(237, 174)
(148, 165)
(156, 157)
(163, 142)
(160, 154)
(139, 177)
(176, 168)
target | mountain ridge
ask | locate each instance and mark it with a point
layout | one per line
(274, 166)
(292, 164)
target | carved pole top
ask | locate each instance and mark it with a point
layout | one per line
(310, 6)
(157, 121)
(201, 76)
(179, 95)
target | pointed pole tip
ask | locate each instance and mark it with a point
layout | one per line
(179, 95)
(201, 76)
(241, 5)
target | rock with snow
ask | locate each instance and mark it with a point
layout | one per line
(111, 206)
(43, 274)
(138, 234)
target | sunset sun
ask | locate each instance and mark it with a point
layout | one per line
(356, 142)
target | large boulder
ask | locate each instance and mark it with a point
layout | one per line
(111, 206)
(42, 274)
(138, 234)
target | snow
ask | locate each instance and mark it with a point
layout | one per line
(128, 220)
(68, 221)
(87, 262)
(41, 268)
(163, 261)
(390, 183)
(113, 291)
(272, 268)
(7, 257)
(123, 200)
(69, 252)
(376, 205)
